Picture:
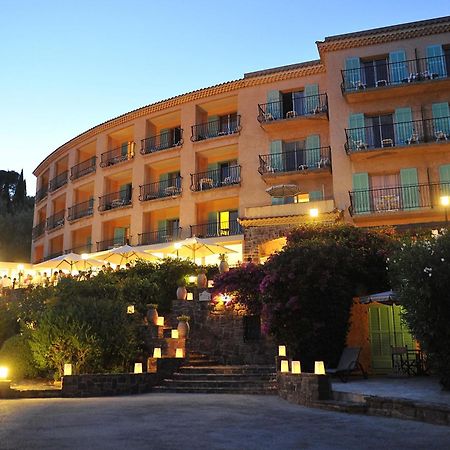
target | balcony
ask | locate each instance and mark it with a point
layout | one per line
(38, 230)
(403, 73)
(83, 168)
(115, 200)
(59, 181)
(41, 194)
(216, 178)
(401, 134)
(53, 255)
(303, 160)
(216, 229)
(397, 198)
(80, 210)
(80, 249)
(56, 221)
(163, 141)
(117, 155)
(160, 236)
(311, 106)
(112, 243)
(160, 189)
(224, 126)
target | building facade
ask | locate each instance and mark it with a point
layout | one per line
(361, 135)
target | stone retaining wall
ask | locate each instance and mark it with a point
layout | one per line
(304, 389)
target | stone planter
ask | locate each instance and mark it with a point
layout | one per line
(202, 281)
(223, 266)
(183, 329)
(181, 293)
(152, 316)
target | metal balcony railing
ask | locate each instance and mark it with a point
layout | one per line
(230, 124)
(117, 155)
(157, 237)
(216, 178)
(394, 74)
(115, 200)
(170, 139)
(83, 168)
(60, 180)
(299, 107)
(112, 243)
(57, 220)
(397, 134)
(79, 210)
(38, 230)
(216, 229)
(160, 189)
(304, 160)
(53, 255)
(41, 194)
(80, 249)
(397, 198)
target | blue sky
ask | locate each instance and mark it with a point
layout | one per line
(67, 65)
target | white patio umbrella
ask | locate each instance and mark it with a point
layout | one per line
(124, 254)
(69, 261)
(193, 248)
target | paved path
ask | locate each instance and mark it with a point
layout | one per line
(202, 421)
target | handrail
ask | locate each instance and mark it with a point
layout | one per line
(162, 141)
(215, 178)
(216, 229)
(159, 236)
(160, 189)
(56, 220)
(83, 168)
(114, 200)
(58, 181)
(216, 128)
(82, 209)
(117, 155)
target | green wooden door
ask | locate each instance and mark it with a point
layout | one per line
(274, 104)
(436, 60)
(276, 156)
(313, 151)
(357, 132)
(441, 119)
(403, 126)
(444, 179)
(311, 98)
(397, 67)
(352, 77)
(361, 193)
(386, 330)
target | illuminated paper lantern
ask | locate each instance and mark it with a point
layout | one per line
(157, 352)
(319, 368)
(296, 367)
(174, 334)
(281, 350)
(179, 353)
(284, 366)
(137, 367)
(67, 369)
(160, 321)
(190, 296)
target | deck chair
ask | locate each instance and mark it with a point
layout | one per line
(348, 363)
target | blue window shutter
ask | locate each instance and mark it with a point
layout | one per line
(361, 194)
(313, 151)
(357, 132)
(213, 126)
(276, 156)
(213, 225)
(274, 107)
(214, 173)
(164, 138)
(441, 118)
(124, 149)
(311, 98)
(353, 74)
(397, 66)
(162, 230)
(125, 191)
(315, 196)
(119, 235)
(444, 179)
(436, 60)
(403, 125)
(410, 188)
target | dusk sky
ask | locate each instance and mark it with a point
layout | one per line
(67, 66)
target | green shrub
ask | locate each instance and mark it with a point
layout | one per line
(8, 324)
(17, 356)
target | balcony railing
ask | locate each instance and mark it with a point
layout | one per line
(394, 74)
(303, 160)
(157, 237)
(160, 189)
(80, 249)
(216, 229)
(56, 221)
(117, 155)
(216, 178)
(397, 134)
(163, 141)
(41, 194)
(58, 181)
(53, 255)
(83, 168)
(79, 210)
(115, 200)
(301, 106)
(38, 230)
(112, 243)
(397, 198)
(224, 126)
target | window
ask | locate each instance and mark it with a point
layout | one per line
(375, 71)
(380, 131)
(228, 123)
(294, 155)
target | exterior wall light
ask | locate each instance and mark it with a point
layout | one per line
(157, 352)
(160, 321)
(190, 296)
(314, 212)
(3, 373)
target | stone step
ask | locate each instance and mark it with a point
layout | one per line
(235, 384)
(216, 390)
(220, 369)
(224, 376)
(341, 406)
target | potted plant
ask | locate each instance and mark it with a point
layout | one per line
(223, 265)
(183, 326)
(181, 290)
(152, 313)
(202, 280)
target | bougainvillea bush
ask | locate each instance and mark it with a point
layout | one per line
(420, 274)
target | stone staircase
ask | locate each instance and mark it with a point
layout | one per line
(203, 375)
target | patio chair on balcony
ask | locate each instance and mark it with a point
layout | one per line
(414, 139)
(440, 136)
(348, 363)
(291, 114)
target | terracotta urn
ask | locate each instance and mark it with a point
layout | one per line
(223, 266)
(152, 315)
(202, 280)
(181, 293)
(183, 329)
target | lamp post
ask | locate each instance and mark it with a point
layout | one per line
(445, 201)
(314, 213)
